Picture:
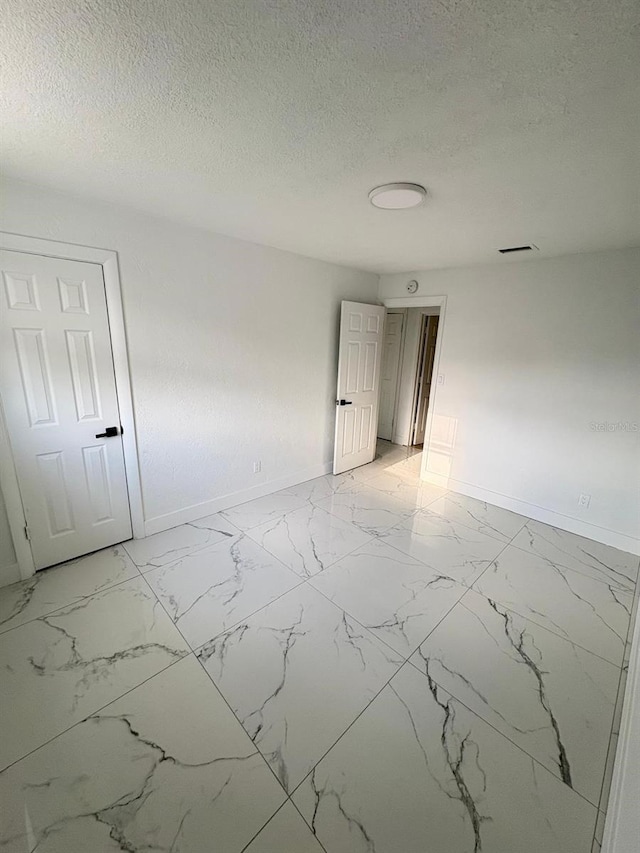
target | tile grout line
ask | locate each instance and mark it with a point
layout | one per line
(369, 703)
(533, 621)
(93, 713)
(502, 734)
(619, 698)
(232, 711)
(69, 603)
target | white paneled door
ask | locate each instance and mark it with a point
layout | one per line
(360, 354)
(59, 398)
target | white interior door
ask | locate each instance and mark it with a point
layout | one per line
(427, 356)
(58, 393)
(360, 354)
(393, 326)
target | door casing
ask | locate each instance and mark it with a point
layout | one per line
(108, 260)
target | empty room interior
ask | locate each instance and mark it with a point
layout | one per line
(320, 426)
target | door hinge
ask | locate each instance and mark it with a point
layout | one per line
(27, 533)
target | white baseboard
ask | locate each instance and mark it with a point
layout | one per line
(9, 574)
(196, 511)
(547, 516)
(622, 824)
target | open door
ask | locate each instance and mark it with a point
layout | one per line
(424, 377)
(360, 353)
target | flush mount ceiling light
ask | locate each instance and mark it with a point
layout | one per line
(397, 196)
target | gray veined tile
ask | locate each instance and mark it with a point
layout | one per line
(297, 674)
(570, 551)
(370, 510)
(210, 590)
(396, 597)
(418, 494)
(451, 548)
(308, 539)
(58, 668)
(268, 508)
(165, 768)
(551, 698)
(312, 490)
(53, 588)
(286, 832)
(350, 483)
(587, 612)
(171, 545)
(417, 771)
(483, 517)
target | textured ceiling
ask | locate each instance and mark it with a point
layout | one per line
(272, 119)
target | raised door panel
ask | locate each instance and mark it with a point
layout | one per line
(35, 376)
(21, 291)
(82, 362)
(55, 493)
(96, 470)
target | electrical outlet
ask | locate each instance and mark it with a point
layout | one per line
(584, 501)
(441, 379)
(257, 467)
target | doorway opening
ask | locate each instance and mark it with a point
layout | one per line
(408, 377)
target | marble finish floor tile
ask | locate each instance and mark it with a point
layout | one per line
(417, 771)
(585, 611)
(210, 590)
(269, 508)
(165, 768)
(286, 832)
(59, 668)
(309, 539)
(369, 510)
(396, 597)
(405, 467)
(570, 551)
(170, 545)
(449, 547)
(551, 698)
(313, 490)
(483, 517)
(60, 585)
(350, 483)
(418, 494)
(297, 674)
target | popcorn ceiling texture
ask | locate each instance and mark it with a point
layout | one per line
(271, 119)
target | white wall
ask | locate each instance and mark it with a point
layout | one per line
(533, 354)
(232, 347)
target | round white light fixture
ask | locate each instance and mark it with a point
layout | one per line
(397, 196)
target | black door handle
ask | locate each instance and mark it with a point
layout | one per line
(110, 432)
(344, 402)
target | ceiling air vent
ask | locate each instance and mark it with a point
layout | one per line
(517, 249)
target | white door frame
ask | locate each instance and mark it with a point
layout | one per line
(425, 302)
(108, 260)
